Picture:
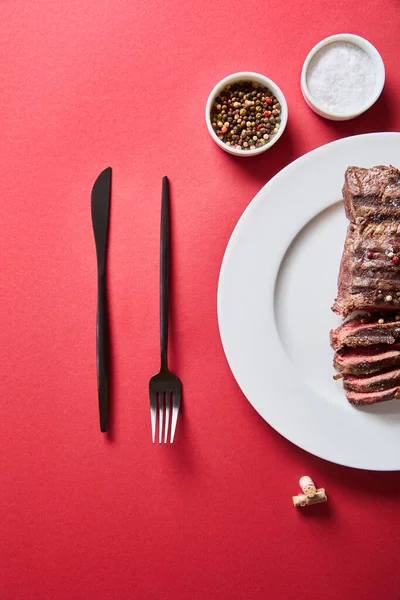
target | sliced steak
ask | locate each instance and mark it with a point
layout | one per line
(363, 399)
(368, 278)
(373, 383)
(355, 333)
(364, 361)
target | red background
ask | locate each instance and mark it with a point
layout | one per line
(92, 83)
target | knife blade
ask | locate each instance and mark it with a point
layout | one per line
(100, 204)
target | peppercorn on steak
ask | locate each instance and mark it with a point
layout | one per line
(368, 342)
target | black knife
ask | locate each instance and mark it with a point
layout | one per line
(100, 216)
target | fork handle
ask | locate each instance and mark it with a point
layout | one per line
(164, 272)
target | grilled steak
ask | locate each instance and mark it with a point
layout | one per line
(363, 399)
(355, 333)
(364, 361)
(369, 277)
(368, 351)
(374, 383)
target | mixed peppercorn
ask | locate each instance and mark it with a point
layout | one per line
(245, 115)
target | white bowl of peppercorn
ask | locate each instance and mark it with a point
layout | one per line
(246, 113)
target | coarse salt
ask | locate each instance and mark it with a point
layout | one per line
(341, 78)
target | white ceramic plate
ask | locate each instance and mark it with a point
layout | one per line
(276, 287)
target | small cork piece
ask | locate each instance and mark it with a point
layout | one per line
(303, 500)
(307, 486)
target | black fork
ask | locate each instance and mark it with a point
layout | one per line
(165, 388)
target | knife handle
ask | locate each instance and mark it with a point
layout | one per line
(102, 351)
(164, 272)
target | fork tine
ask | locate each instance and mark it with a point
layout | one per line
(160, 415)
(176, 400)
(153, 415)
(167, 411)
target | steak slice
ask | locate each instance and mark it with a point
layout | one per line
(355, 333)
(364, 361)
(368, 278)
(362, 399)
(374, 383)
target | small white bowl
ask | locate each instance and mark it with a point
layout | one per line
(379, 68)
(264, 81)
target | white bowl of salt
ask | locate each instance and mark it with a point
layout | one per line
(342, 77)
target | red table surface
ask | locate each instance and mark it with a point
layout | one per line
(87, 84)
